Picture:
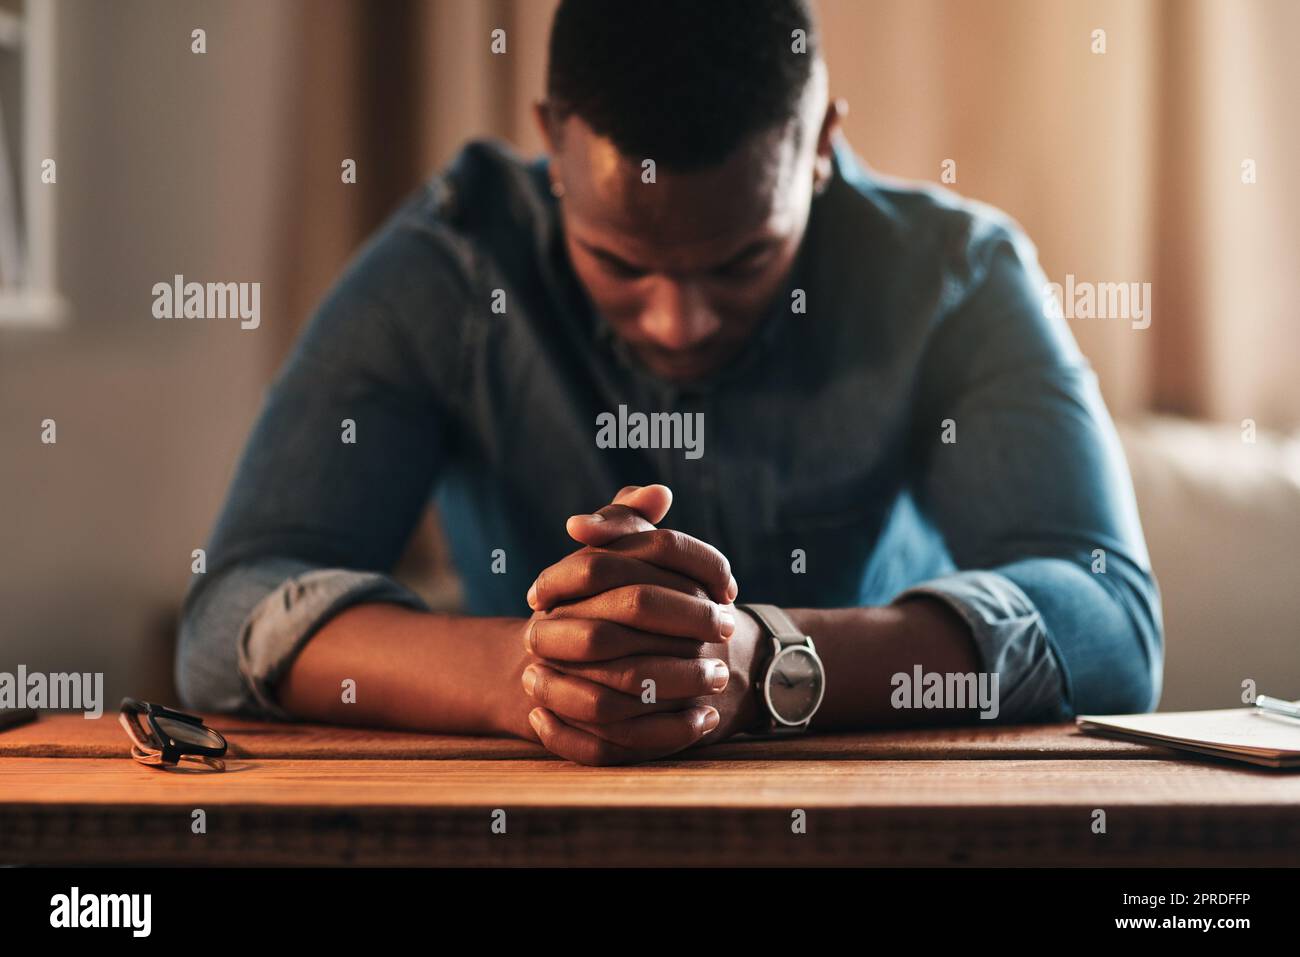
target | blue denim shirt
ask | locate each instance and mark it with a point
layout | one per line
(828, 476)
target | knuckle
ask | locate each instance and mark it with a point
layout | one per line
(596, 637)
(715, 566)
(638, 599)
(666, 543)
(676, 549)
(602, 707)
(716, 569)
(584, 571)
(626, 677)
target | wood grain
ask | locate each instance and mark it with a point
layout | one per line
(312, 795)
(698, 812)
(728, 784)
(70, 735)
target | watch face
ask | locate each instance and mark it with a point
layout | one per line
(794, 685)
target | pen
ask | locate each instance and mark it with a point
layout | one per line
(1277, 706)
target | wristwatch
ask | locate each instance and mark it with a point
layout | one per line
(795, 680)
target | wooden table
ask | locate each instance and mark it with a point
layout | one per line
(314, 795)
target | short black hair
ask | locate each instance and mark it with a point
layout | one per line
(682, 82)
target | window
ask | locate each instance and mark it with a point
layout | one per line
(28, 165)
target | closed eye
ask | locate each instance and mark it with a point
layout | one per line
(751, 260)
(742, 270)
(617, 267)
(614, 265)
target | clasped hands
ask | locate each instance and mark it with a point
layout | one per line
(634, 650)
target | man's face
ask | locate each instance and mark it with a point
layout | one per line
(684, 267)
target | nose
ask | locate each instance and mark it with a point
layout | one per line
(677, 316)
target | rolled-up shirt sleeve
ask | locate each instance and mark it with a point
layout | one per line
(1011, 641)
(1019, 467)
(340, 464)
(273, 607)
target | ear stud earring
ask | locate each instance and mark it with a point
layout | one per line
(821, 176)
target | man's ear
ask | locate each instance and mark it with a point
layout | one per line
(542, 117)
(836, 110)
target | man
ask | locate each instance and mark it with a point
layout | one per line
(866, 417)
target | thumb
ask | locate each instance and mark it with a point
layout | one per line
(636, 508)
(651, 501)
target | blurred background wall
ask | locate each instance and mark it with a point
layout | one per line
(1124, 166)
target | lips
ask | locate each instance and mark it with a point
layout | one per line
(685, 365)
(686, 368)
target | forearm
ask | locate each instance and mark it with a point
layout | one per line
(863, 648)
(414, 670)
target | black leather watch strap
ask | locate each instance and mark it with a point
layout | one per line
(777, 623)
